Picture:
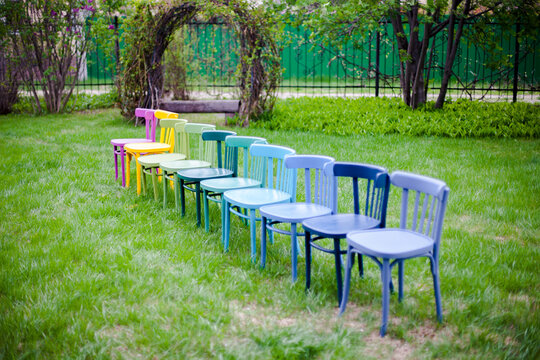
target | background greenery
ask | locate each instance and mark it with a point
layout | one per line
(459, 119)
(89, 269)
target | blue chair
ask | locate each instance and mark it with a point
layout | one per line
(213, 189)
(317, 202)
(417, 236)
(190, 179)
(279, 186)
(337, 225)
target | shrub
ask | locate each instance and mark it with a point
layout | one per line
(462, 118)
(76, 102)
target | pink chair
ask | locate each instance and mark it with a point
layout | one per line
(118, 144)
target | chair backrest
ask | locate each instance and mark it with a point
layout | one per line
(168, 132)
(317, 191)
(268, 166)
(236, 143)
(187, 132)
(428, 207)
(377, 187)
(161, 115)
(150, 122)
(218, 136)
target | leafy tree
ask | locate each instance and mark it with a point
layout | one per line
(414, 24)
(49, 40)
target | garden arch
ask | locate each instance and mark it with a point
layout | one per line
(259, 69)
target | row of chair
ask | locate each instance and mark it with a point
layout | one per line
(267, 185)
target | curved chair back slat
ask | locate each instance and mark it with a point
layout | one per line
(242, 143)
(317, 191)
(377, 187)
(218, 137)
(184, 132)
(269, 165)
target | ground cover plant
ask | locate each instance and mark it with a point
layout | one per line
(459, 119)
(90, 270)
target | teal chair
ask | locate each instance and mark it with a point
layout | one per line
(190, 179)
(213, 189)
(279, 186)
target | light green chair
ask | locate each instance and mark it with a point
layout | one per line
(150, 163)
(188, 134)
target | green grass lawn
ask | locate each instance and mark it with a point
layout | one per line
(89, 269)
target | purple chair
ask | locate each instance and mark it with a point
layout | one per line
(118, 144)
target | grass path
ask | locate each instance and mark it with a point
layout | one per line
(90, 270)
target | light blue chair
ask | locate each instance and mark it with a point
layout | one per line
(279, 186)
(418, 235)
(317, 203)
(213, 189)
(190, 179)
(369, 213)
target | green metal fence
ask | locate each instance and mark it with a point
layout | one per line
(372, 68)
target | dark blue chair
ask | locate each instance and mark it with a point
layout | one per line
(418, 235)
(317, 202)
(371, 215)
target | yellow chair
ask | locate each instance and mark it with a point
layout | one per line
(167, 138)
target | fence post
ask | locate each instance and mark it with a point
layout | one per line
(116, 44)
(377, 62)
(516, 63)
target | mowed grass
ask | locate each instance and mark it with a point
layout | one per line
(89, 269)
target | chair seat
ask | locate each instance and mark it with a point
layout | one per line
(294, 212)
(224, 184)
(156, 159)
(339, 225)
(203, 173)
(390, 243)
(254, 198)
(146, 147)
(174, 166)
(122, 142)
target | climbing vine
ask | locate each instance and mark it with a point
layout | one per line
(150, 26)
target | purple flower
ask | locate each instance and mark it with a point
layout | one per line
(111, 27)
(75, 10)
(53, 13)
(68, 29)
(90, 1)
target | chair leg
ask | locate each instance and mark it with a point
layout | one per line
(308, 258)
(361, 266)
(263, 241)
(401, 264)
(437, 289)
(294, 250)
(223, 219)
(198, 202)
(226, 225)
(182, 198)
(253, 234)
(337, 258)
(347, 283)
(154, 183)
(139, 170)
(176, 191)
(206, 211)
(122, 161)
(115, 151)
(128, 168)
(164, 190)
(385, 277)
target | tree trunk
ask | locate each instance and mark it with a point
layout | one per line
(451, 48)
